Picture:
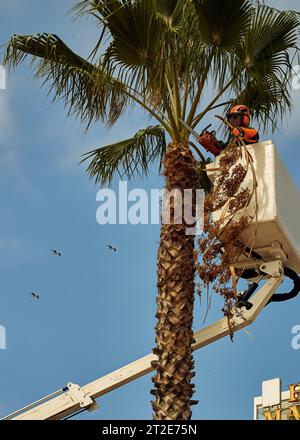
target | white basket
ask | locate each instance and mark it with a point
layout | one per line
(278, 206)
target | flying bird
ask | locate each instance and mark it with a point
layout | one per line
(111, 248)
(34, 295)
(54, 252)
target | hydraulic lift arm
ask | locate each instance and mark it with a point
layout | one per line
(73, 398)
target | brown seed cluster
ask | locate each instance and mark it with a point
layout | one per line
(220, 245)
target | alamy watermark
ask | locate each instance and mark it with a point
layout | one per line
(2, 77)
(138, 207)
(2, 338)
(296, 339)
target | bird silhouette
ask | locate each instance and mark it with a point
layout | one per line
(34, 295)
(55, 252)
(111, 248)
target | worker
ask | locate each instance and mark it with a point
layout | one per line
(239, 118)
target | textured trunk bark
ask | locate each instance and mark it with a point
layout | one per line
(175, 300)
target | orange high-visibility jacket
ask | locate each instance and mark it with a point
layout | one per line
(247, 134)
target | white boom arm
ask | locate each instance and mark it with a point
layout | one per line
(72, 399)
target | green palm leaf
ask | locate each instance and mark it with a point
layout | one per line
(87, 90)
(132, 27)
(172, 11)
(264, 49)
(269, 98)
(222, 23)
(161, 53)
(128, 157)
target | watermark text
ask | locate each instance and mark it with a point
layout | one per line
(137, 207)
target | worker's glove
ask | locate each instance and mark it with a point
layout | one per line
(237, 132)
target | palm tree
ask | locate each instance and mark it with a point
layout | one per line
(162, 56)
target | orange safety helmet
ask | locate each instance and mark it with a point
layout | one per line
(243, 111)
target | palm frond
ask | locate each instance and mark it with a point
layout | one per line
(128, 157)
(265, 48)
(131, 25)
(86, 89)
(264, 60)
(172, 12)
(222, 23)
(135, 40)
(268, 98)
(160, 54)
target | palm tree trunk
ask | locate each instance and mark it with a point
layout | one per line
(175, 300)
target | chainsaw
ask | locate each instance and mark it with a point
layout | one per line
(206, 138)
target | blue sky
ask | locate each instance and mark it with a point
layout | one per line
(96, 311)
